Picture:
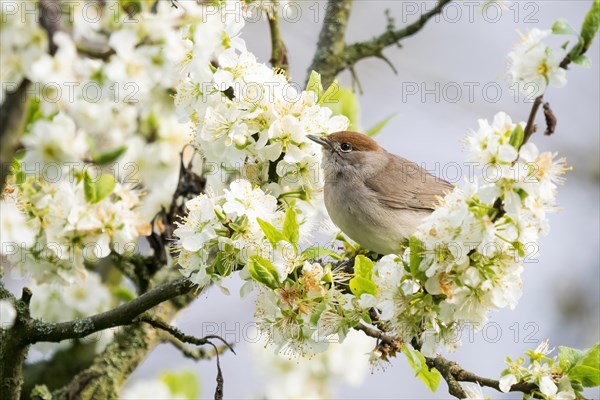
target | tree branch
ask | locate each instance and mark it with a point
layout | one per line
(12, 110)
(330, 47)
(454, 388)
(104, 378)
(124, 314)
(451, 371)
(461, 375)
(279, 58)
(374, 48)
(12, 352)
(11, 125)
(60, 368)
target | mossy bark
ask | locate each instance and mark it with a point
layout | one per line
(328, 60)
(13, 348)
(132, 344)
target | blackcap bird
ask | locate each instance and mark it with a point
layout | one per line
(376, 198)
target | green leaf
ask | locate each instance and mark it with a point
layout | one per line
(522, 193)
(270, 231)
(588, 376)
(343, 101)
(20, 177)
(314, 83)
(182, 385)
(329, 93)
(320, 251)
(34, 110)
(223, 263)
(362, 282)
(517, 136)
(97, 189)
(562, 27)
(431, 377)
(519, 247)
(359, 285)
(15, 165)
(416, 257)
(363, 267)
(109, 156)
(316, 313)
(123, 294)
(291, 230)
(583, 60)
(263, 272)
(20, 154)
(590, 25)
(379, 126)
(568, 357)
(587, 371)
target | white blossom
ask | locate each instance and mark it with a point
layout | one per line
(533, 65)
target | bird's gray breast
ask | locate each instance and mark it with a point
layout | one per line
(354, 208)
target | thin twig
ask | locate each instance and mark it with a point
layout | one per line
(530, 128)
(193, 353)
(189, 185)
(220, 380)
(179, 335)
(159, 324)
(374, 47)
(379, 335)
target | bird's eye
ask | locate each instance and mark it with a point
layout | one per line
(346, 147)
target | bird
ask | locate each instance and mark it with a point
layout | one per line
(376, 198)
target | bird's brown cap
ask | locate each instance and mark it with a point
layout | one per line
(359, 141)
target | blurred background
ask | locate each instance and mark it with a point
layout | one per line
(450, 74)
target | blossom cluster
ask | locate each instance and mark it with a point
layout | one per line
(466, 258)
(250, 120)
(252, 123)
(559, 377)
(22, 42)
(100, 102)
(264, 204)
(244, 230)
(314, 378)
(54, 228)
(533, 65)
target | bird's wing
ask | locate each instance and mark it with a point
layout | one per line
(412, 188)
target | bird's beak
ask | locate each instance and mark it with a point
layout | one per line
(321, 140)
